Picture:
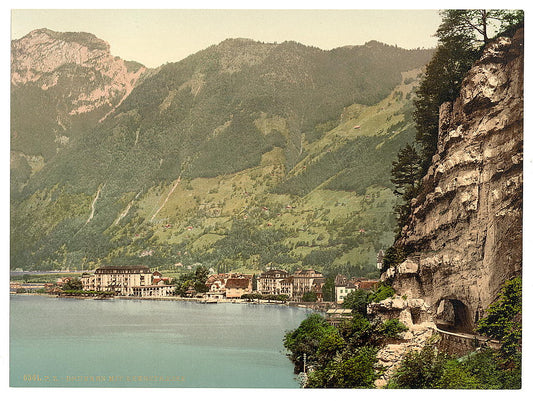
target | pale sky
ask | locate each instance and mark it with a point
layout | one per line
(154, 37)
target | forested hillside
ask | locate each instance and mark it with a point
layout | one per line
(243, 155)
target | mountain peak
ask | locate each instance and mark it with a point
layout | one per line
(89, 40)
(96, 79)
(237, 41)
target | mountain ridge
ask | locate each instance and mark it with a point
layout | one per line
(206, 143)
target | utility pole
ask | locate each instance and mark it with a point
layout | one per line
(305, 360)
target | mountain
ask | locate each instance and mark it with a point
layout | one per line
(61, 84)
(243, 155)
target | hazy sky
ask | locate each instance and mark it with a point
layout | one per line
(154, 37)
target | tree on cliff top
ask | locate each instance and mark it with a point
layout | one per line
(475, 25)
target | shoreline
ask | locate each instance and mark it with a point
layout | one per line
(294, 304)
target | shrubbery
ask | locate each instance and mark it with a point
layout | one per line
(483, 369)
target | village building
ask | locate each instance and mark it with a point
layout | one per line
(270, 282)
(317, 288)
(344, 286)
(336, 316)
(342, 291)
(156, 291)
(217, 285)
(368, 284)
(160, 287)
(127, 281)
(286, 287)
(236, 287)
(304, 281)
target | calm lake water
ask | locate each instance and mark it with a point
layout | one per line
(128, 343)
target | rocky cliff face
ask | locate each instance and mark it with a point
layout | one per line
(43, 55)
(466, 228)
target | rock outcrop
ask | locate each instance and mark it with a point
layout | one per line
(465, 231)
(415, 315)
(44, 57)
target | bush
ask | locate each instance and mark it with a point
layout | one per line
(455, 376)
(356, 371)
(419, 369)
(357, 301)
(504, 318)
(391, 328)
(383, 292)
(306, 339)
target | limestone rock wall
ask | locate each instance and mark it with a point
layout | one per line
(414, 314)
(466, 228)
(44, 57)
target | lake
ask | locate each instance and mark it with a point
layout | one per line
(58, 342)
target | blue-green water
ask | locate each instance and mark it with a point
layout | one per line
(127, 343)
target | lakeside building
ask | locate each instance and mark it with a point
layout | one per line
(286, 286)
(127, 281)
(336, 316)
(157, 290)
(344, 286)
(308, 280)
(280, 282)
(236, 287)
(318, 283)
(270, 282)
(218, 285)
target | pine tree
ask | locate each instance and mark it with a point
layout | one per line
(406, 171)
(406, 174)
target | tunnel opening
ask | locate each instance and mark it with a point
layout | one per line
(453, 315)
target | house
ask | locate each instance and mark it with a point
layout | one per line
(317, 288)
(344, 286)
(217, 284)
(342, 291)
(368, 284)
(286, 287)
(63, 280)
(269, 282)
(157, 278)
(236, 287)
(304, 281)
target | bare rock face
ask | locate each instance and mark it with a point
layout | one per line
(466, 228)
(43, 55)
(415, 314)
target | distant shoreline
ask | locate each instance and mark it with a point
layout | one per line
(293, 304)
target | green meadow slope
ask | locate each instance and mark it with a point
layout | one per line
(241, 156)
